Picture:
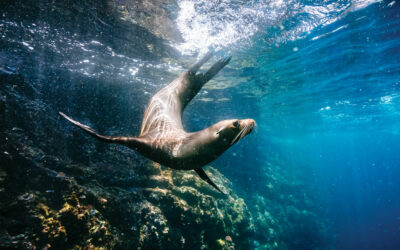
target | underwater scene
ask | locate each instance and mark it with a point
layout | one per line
(290, 138)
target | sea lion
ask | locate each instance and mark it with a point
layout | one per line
(162, 137)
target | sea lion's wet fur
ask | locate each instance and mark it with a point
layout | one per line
(162, 137)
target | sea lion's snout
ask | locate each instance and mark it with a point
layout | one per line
(249, 124)
(245, 126)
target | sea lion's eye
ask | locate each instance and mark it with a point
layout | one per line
(236, 124)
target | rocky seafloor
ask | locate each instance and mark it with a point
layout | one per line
(61, 189)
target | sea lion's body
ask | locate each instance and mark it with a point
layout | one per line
(162, 137)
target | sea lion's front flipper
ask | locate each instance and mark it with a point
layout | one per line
(127, 141)
(203, 60)
(197, 81)
(204, 176)
(214, 69)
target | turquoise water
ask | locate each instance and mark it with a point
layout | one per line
(321, 79)
(334, 110)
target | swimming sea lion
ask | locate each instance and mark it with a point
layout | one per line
(162, 137)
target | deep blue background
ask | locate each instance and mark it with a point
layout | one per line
(333, 109)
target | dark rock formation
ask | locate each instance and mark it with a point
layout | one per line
(141, 28)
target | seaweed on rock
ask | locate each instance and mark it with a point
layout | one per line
(162, 214)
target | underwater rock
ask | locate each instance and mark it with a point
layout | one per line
(175, 214)
(284, 216)
(131, 27)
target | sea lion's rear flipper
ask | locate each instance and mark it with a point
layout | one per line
(204, 176)
(128, 141)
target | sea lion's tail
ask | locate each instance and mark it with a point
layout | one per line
(92, 132)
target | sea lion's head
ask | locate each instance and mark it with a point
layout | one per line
(231, 131)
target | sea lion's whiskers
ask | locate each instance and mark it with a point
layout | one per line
(236, 137)
(244, 133)
(241, 134)
(247, 130)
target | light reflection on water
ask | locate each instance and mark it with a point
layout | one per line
(223, 24)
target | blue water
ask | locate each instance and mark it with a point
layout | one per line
(322, 83)
(332, 106)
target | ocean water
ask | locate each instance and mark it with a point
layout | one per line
(321, 79)
(333, 110)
